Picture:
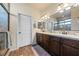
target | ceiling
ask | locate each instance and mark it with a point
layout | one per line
(41, 6)
(46, 9)
(61, 15)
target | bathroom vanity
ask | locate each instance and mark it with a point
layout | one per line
(58, 44)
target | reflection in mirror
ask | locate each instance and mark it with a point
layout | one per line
(62, 20)
(34, 24)
(39, 25)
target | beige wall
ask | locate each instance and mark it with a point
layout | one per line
(75, 18)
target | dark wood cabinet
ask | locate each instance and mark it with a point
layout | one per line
(71, 42)
(54, 45)
(42, 40)
(69, 47)
(39, 39)
(45, 41)
(58, 46)
(69, 51)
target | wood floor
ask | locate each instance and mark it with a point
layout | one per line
(23, 51)
(3, 52)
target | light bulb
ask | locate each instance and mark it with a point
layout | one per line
(68, 8)
(45, 15)
(75, 5)
(65, 5)
(61, 11)
(58, 8)
(42, 17)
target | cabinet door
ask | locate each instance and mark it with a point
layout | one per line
(45, 41)
(39, 38)
(69, 51)
(54, 45)
(70, 42)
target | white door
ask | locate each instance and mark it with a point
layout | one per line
(24, 32)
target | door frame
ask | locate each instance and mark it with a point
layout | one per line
(19, 25)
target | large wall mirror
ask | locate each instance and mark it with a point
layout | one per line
(63, 20)
(66, 19)
(4, 19)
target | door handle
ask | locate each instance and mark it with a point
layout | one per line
(19, 32)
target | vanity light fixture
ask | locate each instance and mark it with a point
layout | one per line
(42, 17)
(76, 4)
(59, 8)
(45, 16)
(68, 8)
(61, 11)
(65, 5)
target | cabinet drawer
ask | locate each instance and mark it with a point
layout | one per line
(69, 51)
(54, 47)
(70, 42)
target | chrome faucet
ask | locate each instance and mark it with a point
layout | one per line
(64, 32)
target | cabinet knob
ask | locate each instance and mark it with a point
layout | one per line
(19, 32)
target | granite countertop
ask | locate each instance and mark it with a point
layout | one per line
(75, 37)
